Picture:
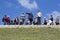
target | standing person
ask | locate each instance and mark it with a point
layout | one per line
(44, 21)
(16, 21)
(30, 17)
(8, 20)
(39, 14)
(4, 19)
(51, 18)
(23, 17)
(11, 22)
(57, 20)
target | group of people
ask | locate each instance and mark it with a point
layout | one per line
(30, 20)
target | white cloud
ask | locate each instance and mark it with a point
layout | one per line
(54, 13)
(27, 4)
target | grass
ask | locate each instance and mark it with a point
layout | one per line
(30, 34)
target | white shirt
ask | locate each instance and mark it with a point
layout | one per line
(49, 22)
(39, 14)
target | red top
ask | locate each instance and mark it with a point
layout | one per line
(8, 19)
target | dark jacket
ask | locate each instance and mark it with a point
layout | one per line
(30, 15)
(4, 19)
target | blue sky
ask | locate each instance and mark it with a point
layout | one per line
(15, 7)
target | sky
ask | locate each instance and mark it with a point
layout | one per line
(14, 8)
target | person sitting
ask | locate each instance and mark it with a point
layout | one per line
(11, 22)
(57, 20)
(16, 21)
(4, 19)
(8, 20)
(44, 21)
(21, 21)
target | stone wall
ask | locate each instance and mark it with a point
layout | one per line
(29, 26)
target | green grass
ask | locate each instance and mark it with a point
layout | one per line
(30, 34)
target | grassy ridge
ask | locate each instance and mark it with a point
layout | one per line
(30, 34)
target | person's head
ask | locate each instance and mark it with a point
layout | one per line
(16, 16)
(8, 16)
(51, 15)
(22, 13)
(44, 18)
(31, 13)
(5, 15)
(39, 11)
(57, 17)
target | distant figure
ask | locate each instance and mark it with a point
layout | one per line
(21, 21)
(51, 18)
(44, 21)
(35, 22)
(39, 14)
(49, 22)
(4, 19)
(16, 21)
(57, 20)
(27, 22)
(30, 17)
(23, 17)
(8, 20)
(12, 22)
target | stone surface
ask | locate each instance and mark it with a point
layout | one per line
(29, 26)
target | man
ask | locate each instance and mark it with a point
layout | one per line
(21, 22)
(16, 21)
(57, 20)
(51, 18)
(8, 20)
(39, 14)
(30, 17)
(44, 21)
(23, 17)
(4, 19)
(12, 22)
